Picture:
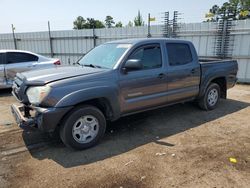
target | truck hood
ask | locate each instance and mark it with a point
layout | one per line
(44, 76)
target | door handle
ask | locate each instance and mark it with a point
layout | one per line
(161, 75)
(30, 66)
(193, 71)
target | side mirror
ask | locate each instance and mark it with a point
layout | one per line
(132, 64)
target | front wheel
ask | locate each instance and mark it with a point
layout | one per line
(83, 127)
(211, 97)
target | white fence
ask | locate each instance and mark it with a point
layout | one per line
(70, 45)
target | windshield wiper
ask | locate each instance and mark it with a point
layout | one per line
(91, 65)
(77, 63)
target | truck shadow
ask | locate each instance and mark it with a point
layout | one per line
(5, 92)
(137, 130)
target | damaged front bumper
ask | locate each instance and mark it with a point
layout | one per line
(45, 119)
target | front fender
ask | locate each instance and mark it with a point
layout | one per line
(109, 93)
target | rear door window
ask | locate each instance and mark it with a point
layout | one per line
(19, 57)
(179, 54)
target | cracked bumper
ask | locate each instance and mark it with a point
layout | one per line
(45, 119)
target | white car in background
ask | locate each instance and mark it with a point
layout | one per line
(13, 61)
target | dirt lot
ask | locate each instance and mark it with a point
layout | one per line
(178, 146)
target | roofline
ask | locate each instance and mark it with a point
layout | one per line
(139, 40)
(24, 51)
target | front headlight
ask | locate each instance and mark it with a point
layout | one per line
(37, 94)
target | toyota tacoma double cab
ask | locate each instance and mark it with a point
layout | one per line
(117, 79)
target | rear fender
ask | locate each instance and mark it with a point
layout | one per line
(205, 83)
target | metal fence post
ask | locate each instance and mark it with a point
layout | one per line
(14, 38)
(50, 41)
(149, 34)
(94, 36)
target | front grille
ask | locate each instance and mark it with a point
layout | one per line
(16, 88)
(19, 88)
(18, 81)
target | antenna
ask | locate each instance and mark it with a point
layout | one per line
(175, 24)
(170, 27)
(225, 40)
(165, 28)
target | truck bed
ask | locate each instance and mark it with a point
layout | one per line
(213, 60)
(213, 67)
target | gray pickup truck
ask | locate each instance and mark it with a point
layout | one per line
(117, 79)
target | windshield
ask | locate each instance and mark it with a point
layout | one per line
(104, 56)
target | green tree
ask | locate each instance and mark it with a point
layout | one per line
(130, 24)
(138, 21)
(79, 23)
(109, 21)
(99, 24)
(118, 24)
(92, 23)
(245, 4)
(89, 23)
(234, 9)
(245, 9)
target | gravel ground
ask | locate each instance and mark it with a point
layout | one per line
(177, 146)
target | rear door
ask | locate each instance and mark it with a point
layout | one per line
(147, 87)
(19, 62)
(2, 70)
(183, 71)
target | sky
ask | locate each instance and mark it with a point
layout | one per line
(33, 15)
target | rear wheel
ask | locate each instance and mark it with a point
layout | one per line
(211, 97)
(83, 127)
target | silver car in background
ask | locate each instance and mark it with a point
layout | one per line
(13, 61)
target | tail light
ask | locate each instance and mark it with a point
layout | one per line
(57, 62)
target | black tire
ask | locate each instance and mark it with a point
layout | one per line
(203, 102)
(71, 118)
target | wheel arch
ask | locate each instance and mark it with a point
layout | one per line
(221, 81)
(102, 103)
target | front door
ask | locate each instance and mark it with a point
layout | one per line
(147, 87)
